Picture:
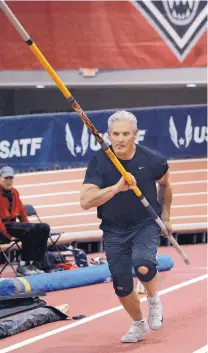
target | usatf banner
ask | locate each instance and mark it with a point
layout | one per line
(61, 140)
(107, 34)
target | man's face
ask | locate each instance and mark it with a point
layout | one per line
(7, 182)
(122, 137)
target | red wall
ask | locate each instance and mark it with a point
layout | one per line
(105, 35)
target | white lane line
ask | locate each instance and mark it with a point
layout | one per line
(202, 350)
(78, 192)
(187, 217)
(78, 203)
(62, 204)
(184, 226)
(79, 235)
(78, 214)
(189, 182)
(50, 183)
(191, 194)
(73, 181)
(188, 171)
(76, 225)
(66, 215)
(51, 194)
(175, 161)
(175, 226)
(96, 316)
(180, 226)
(58, 171)
(190, 205)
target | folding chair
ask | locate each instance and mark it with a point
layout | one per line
(5, 250)
(31, 211)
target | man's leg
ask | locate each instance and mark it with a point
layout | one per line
(132, 305)
(21, 231)
(120, 265)
(144, 262)
(139, 287)
(33, 237)
(40, 233)
(34, 241)
(152, 285)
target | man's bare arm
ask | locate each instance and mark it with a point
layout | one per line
(92, 196)
(165, 196)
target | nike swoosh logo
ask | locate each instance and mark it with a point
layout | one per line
(141, 167)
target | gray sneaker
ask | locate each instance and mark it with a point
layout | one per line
(137, 332)
(37, 270)
(155, 319)
(25, 270)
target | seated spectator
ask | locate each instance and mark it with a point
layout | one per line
(33, 236)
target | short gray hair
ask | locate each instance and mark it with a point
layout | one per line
(122, 115)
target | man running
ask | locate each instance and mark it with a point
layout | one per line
(131, 237)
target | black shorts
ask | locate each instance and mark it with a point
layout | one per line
(122, 250)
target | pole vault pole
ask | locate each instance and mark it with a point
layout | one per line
(25, 36)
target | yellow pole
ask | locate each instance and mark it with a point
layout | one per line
(88, 123)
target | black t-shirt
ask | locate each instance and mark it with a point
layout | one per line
(125, 210)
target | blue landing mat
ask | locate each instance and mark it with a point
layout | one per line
(49, 282)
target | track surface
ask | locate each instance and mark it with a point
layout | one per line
(185, 316)
(185, 308)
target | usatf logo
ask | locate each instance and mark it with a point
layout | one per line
(198, 134)
(88, 140)
(20, 148)
(182, 141)
(179, 22)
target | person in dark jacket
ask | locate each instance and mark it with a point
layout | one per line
(33, 236)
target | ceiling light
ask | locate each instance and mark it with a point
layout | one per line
(40, 86)
(191, 85)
